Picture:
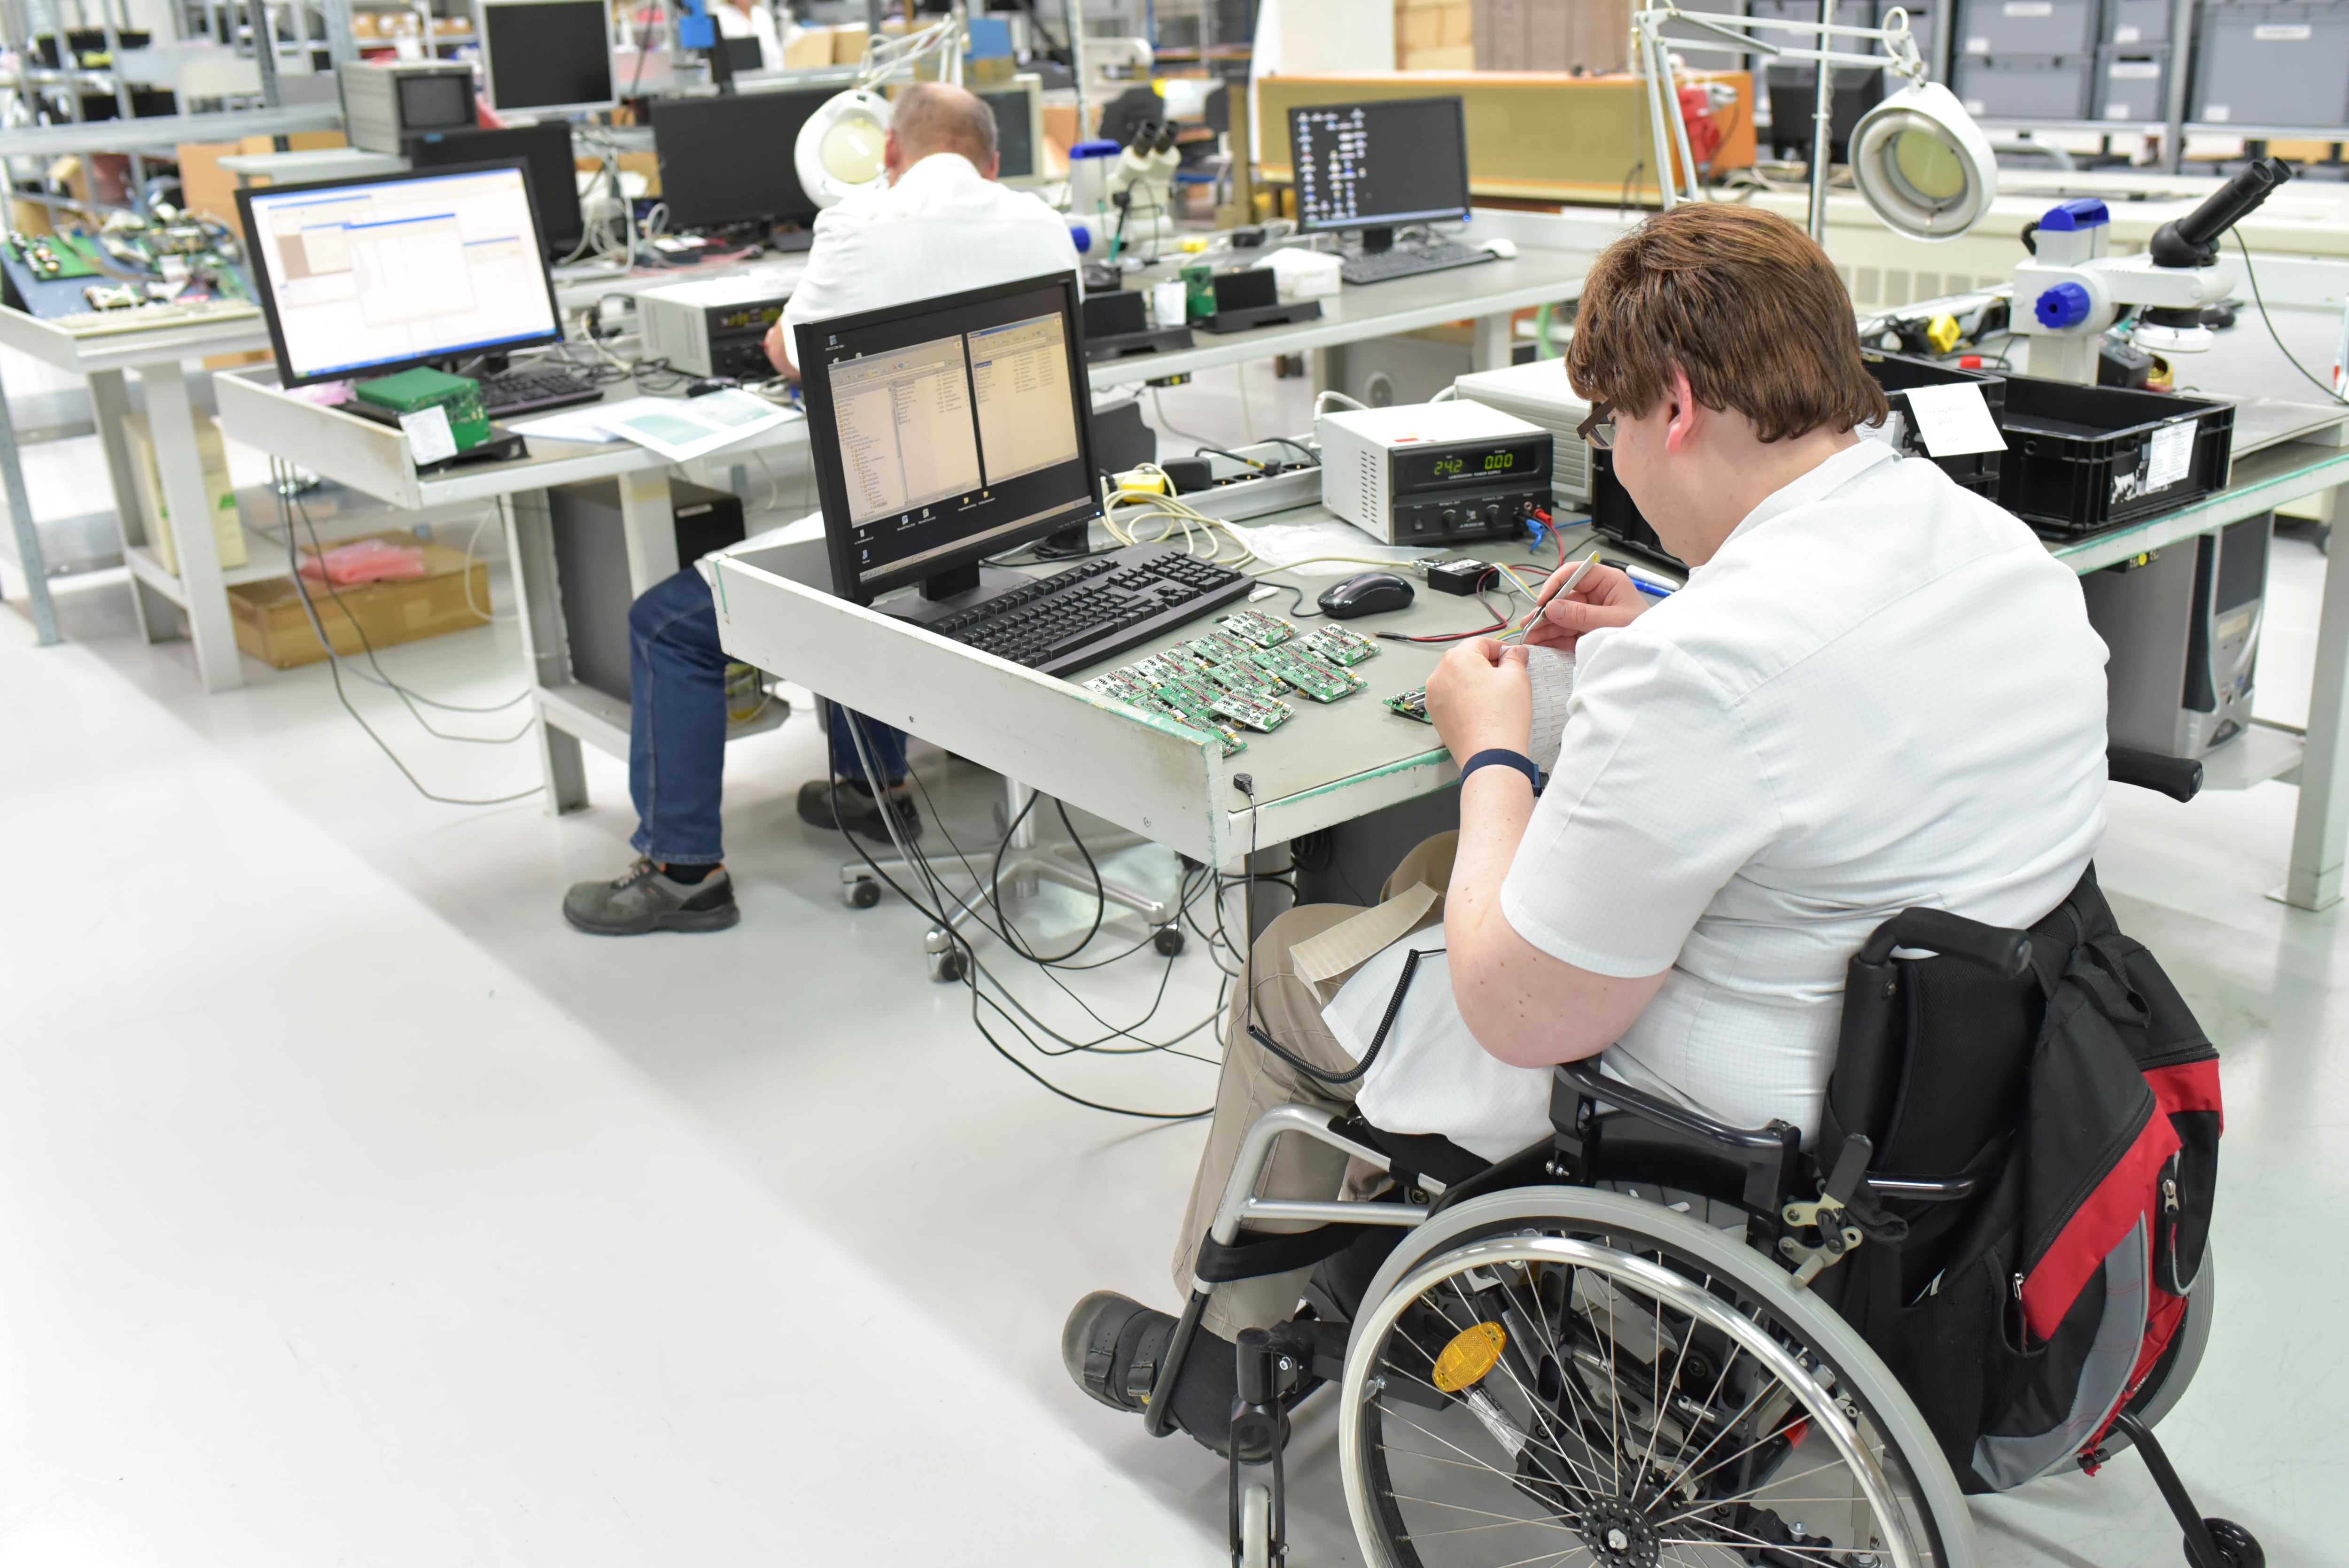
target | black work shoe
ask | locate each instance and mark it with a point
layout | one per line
(860, 813)
(1113, 1346)
(645, 900)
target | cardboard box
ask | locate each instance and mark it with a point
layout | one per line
(208, 189)
(1418, 30)
(848, 44)
(1461, 57)
(808, 50)
(1455, 25)
(228, 524)
(272, 625)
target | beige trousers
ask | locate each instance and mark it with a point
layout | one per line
(1289, 1008)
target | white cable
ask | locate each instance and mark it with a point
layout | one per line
(472, 540)
(1321, 403)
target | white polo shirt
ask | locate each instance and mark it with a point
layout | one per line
(1882, 692)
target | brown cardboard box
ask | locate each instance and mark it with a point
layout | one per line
(810, 50)
(209, 189)
(228, 524)
(1461, 57)
(847, 44)
(272, 625)
(1417, 30)
(1455, 22)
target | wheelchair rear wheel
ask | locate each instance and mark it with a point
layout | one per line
(1553, 1377)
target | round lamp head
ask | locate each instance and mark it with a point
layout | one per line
(1922, 164)
(839, 150)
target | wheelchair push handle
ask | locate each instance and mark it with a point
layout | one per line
(2004, 952)
(2180, 778)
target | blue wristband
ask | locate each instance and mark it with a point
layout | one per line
(1502, 757)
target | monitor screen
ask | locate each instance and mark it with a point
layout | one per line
(1374, 165)
(548, 54)
(434, 100)
(545, 149)
(368, 276)
(728, 160)
(947, 430)
(743, 54)
(1015, 137)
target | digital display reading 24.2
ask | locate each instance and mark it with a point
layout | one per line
(1471, 465)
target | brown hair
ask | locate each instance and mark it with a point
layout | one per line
(1744, 302)
(938, 117)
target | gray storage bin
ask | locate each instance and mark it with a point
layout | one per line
(2132, 84)
(2014, 29)
(2137, 21)
(2283, 64)
(2047, 91)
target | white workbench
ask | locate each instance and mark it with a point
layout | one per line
(157, 356)
(374, 459)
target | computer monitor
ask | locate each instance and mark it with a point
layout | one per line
(1019, 128)
(742, 54)
(1371, 166)
(544, 149)
(947, 431)
(553, 57)
(728, 160)
(364, 277)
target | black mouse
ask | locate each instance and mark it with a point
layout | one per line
(1371, 593)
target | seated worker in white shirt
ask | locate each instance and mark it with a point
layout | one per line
(941, 226)
(1876, 690)
(751, 19)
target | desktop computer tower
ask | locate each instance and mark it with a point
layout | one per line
(2183, 629)
(591, 566)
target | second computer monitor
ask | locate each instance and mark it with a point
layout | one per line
(545, 149)
(550, 55)
(947, 431)
(1372, 166)
(728, 160)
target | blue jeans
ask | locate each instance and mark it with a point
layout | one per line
(677, 730)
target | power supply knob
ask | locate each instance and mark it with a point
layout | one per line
(1493, 512)
(1451, 516)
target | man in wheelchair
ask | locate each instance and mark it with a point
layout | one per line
(1878, 693)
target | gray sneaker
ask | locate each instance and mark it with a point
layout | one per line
(645, 900)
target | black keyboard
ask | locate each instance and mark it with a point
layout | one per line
(1104, 606)
(533, 389)
(1409, 260)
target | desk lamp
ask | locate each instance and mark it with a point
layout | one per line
(839, 149)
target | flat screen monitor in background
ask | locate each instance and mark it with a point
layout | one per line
(364, 277)
(947, 431)
(743, 54)
(1372, 166)
(1019, 129)
(728, 160)
(552, 57)
(545, 150)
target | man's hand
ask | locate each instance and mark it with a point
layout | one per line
(779, 352)
(1605, 597)
(1480, 697)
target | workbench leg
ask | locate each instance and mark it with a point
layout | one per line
(109, 405)
(1494, 338)
(545, 642)
(36, 566)
(2320, 834)
(179, 461)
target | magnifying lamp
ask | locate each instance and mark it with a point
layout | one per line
(1922, 165)
(839, 150)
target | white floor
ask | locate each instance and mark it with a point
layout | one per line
(353, 1209)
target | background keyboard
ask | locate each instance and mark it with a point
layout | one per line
(1409, 260)
(1100, 607)
(527, 391)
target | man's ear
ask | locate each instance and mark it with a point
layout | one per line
(1682, 426)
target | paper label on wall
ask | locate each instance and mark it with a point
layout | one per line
(2135, 71)
(2125, 34)
(2217, 113)
(2283, 32)
(429, 439)
(2171, 457)
(1952, 421)
(1973, 47)
(2030, 7)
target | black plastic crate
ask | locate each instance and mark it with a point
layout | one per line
(2079, 458)
(1896, 372)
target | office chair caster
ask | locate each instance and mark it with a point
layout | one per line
(861, 893)
(950, 965)
(1167, 940)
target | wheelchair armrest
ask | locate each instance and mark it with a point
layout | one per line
(2180, 778)
(1910, 1189)
(2007, 952)
(1586, 1079)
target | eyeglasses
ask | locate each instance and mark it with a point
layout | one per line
(1598, 429)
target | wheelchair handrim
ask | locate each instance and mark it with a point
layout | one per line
(1934, 1530)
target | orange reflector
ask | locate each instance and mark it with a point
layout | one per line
(1474, 1352)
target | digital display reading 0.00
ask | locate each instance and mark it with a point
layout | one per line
(1469, 465)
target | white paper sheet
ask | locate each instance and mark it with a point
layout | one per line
(679, 428)
(429, 439)
(2172, 455)
(1952, 421)
(569, 424)
(1551, 670)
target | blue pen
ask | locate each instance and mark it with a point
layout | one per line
(1654, 590)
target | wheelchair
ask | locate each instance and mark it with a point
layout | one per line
(1622, 1346)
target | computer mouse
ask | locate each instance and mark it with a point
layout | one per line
(1504, 249)
(1371, 593)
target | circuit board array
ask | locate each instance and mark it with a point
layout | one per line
(1240, 677)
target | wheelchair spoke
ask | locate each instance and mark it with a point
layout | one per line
(1541, 1412)
(1574, 1493)
(1485, 1512)
(1679, 1361)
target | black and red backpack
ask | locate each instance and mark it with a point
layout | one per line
(2078, 1104)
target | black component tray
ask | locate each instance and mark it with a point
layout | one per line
(2080, 459)
(1897, 373)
